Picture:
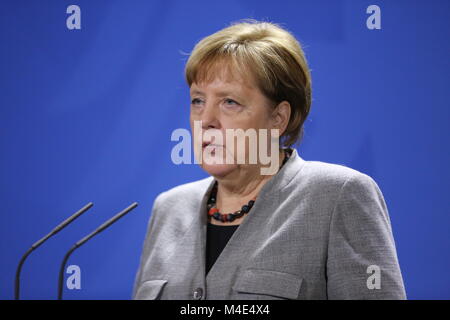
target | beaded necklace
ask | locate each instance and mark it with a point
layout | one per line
(229, 217)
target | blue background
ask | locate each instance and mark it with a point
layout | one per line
(87, 115)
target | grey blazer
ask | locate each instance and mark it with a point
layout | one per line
(317, 231)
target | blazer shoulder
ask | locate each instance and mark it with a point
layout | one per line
(320, 177)
(318, 171)
(347, 185)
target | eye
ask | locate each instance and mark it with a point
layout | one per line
(196, 101)
(230, 102)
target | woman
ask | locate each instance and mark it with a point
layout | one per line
(309, 230)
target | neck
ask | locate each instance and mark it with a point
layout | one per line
(241, 186)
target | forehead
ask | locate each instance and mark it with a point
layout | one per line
(222, 77)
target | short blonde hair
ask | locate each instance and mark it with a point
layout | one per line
(267, 52)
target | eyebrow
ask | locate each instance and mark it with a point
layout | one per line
(220, 94)
(197, 92)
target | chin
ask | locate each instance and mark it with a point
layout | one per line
(218, 170)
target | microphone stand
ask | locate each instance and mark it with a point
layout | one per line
(38, 243)
(84, 240)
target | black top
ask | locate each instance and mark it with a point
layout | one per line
(217, 238)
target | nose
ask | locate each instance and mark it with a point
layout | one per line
(209, 117)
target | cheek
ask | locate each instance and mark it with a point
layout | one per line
(258, 115)
(192, 116)
(191, 123)
(248, 117)
(256, 120)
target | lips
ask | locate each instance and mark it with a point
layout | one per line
(210, 143)
(206, 144)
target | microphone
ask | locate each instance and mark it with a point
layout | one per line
(38, 243)
(84, 240)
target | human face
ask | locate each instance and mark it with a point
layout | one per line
(223, 103)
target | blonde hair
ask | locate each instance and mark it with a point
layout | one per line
(268, 53)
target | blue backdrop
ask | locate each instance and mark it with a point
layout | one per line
(87, 115)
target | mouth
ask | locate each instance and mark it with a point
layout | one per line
(205, 144)
(212, 146)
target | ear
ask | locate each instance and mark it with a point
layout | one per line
(280, 116)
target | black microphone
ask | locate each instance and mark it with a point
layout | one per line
(61, 226)
(85, 239)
